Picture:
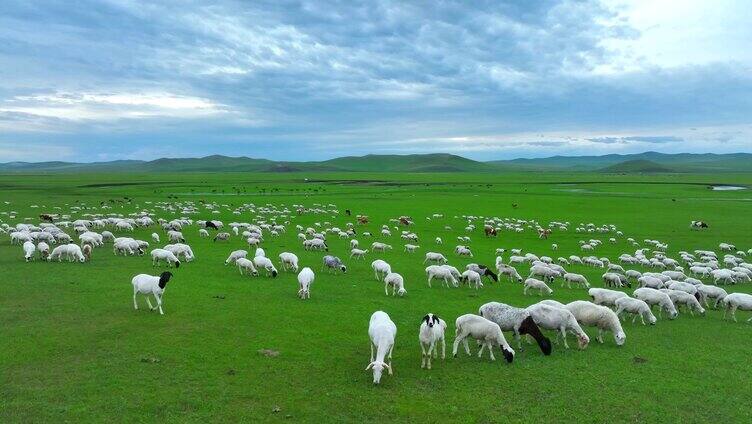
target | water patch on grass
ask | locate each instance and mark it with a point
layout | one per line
(727, 188)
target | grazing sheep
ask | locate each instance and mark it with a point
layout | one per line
(247, 265)
(683, 298)
(592, 315)
(735, 301)
(441, 272)
(29, 249)
(605, 297)
(43, 249)
(545, 272)
(203, 233)
(333, 263)
(155, 237)
(72, 252)
(380, 247)
(472, 278)
(411, 248)
(532, 283)
(431, 332)
(158, 255)
(289, 261)
(358, 253)
(560, 320)
(650, 282)
(175, 237)
(397, 282)
(483, 271)
(637, 307)
(382, 332)
(235, 255)
(222, 237)
(517, 320)
(149, 284)
(86, 250)
(656, 297)
(712, 292)
(262, 262)
(380, 269)
(438, 240)
(435, 257)
(488, 333)
(578, 279)
(305, 279)
(510, 272)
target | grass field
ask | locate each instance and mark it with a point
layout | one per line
(74, 350)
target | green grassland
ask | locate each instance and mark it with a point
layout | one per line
(72, 349)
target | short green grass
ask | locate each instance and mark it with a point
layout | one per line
(74, 350)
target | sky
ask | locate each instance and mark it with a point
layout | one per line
(103, 80)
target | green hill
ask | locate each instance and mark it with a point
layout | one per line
(636, 166)
(437, 162)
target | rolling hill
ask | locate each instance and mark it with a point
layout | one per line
(636, 166)
(436, 162)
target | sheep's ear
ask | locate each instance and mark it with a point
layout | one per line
(425, 318)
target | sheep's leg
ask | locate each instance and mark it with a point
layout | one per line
(518, 339)
(524, 291)
(480, 352)
(600, 336)
(429, 281)
(391, 349)
(443, 348)
(371, 351)
(455, 345)
(467, 346)
(660, 312)
(386, 289)
(490, 351)
(423, 355)
(159, 304)
(135, 305)
(148, 302)
(564, 337)
(750, 319)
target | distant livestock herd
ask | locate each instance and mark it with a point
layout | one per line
(675, 282)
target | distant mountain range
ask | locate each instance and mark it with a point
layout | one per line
(649, 162)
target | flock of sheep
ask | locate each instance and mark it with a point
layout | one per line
(689, 280)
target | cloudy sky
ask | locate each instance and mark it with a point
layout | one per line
(115, 79)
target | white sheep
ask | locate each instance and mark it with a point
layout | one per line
(712, 292)
(592, 315)
(358, 253)
(43, 249)
(382, 332)
(532, 283)
(397, 282)
(411, 248)
(305, 279)
(735, 301)
(380, 247)
(203, 233)
(380, 269)
(683, 298)
(441, 272)
(517, 320)
(289, 260)
(158, 255)
(637, 307)
(235, 255)
(150, 285)
(656, 297)
(605, 297)
(486, 332)
(435, 257)
(431, 332)
(551, 315)
(72, 252)
(472, 278)
(29, 249)
(245, 264)
(155, 237)
(262, 262)
(578, 279)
